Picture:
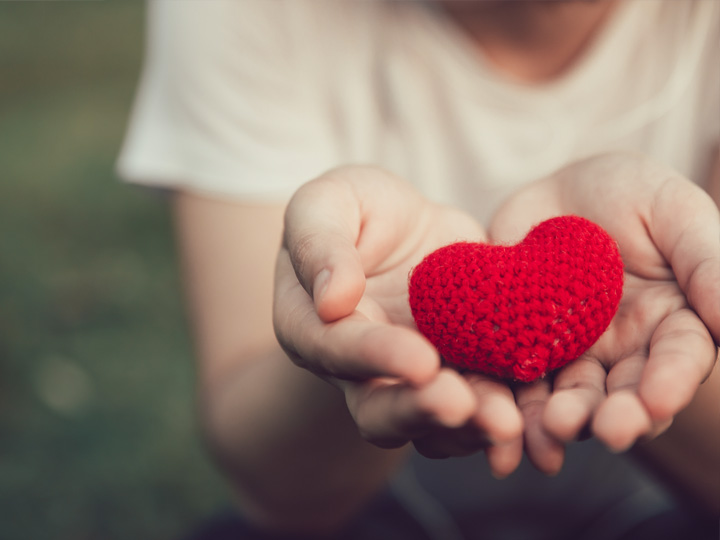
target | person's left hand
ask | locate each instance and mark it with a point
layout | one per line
(662, 343)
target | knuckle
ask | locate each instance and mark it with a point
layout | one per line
(295, 338)
(301, 248)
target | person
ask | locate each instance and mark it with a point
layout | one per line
(318, 149)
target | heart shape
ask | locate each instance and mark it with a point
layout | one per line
(519, 312)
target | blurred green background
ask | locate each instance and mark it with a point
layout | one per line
(97, 429)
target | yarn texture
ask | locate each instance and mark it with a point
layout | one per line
(519, 312)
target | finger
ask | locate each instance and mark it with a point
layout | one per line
(685, 225)
(682, 355)
(389, 414)
(578, 389)
(544, 451)
(504, 458)
(621, 419)
(626, 373)
(352, 348)
(497, 414)
(322, 226)
(656, 429)
(496, 421)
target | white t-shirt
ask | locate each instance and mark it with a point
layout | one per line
(249, 99)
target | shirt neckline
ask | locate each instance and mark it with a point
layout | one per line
(467, 56)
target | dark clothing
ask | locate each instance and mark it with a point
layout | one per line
(597, 496)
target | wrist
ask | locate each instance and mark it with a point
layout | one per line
(290, 447)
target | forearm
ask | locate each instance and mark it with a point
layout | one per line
(687, 455)
(290, 447)
(291, 451)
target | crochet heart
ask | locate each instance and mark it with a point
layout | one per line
(519, 312)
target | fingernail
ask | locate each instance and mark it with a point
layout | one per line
(320, 284)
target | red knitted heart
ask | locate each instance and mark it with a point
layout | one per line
(518, 312)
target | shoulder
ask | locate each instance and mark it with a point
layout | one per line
(262, 39)
(271, 22)
(229, 85)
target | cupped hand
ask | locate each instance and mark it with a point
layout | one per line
(341, 311)
(662, 343)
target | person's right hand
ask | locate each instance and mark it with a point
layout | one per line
(341, 310)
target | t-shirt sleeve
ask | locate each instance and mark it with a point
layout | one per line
(228, 102)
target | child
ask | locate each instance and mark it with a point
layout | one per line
(472, 102)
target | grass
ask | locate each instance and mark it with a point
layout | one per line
(97, 429)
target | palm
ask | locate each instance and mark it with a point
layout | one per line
(387, 283)
(644, 305)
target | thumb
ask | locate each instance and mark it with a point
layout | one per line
(322, 226)
(685, 227)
